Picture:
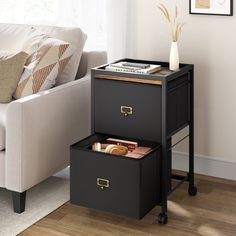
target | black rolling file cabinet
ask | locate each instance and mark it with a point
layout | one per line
(149, 109)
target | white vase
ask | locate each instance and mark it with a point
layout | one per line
(174, 57)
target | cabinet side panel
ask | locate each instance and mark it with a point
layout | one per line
(177, 104)
(150, 182)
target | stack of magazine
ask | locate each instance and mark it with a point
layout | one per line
(131, 67)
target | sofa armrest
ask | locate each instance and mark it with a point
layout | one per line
(41, 127)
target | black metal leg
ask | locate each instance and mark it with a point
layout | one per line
(192, 189)
(163, 216)
(18, 201)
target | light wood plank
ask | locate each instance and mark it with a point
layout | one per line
(128, 79)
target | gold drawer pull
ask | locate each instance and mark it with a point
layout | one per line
(103, 183)
(126, 110)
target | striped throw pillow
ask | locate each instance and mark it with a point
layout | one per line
(44, 66)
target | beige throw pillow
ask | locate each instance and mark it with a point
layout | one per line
(44, 66)
(11, 68)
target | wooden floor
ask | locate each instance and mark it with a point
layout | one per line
(212, 212)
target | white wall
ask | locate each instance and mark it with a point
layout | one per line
(209, 42)
(117, 28)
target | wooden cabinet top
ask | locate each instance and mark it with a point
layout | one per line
(158, 78)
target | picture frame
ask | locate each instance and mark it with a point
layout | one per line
(211, 7)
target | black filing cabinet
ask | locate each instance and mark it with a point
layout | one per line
(149, 109)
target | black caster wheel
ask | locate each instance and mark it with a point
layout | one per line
(192, 191)
(163, 218)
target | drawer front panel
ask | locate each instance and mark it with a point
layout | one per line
(121, 196)
(127, 109)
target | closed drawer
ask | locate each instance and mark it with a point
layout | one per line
(116, 184)
(127, 109)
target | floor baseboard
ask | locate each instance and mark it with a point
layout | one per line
(205, 165)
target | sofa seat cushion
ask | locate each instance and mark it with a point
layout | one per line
(3, 108)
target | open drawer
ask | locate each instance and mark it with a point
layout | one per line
(117, 184)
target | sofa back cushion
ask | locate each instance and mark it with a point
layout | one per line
(11, 68)
(13, 36)
(44, 65)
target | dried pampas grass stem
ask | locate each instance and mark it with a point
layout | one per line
(175, 25)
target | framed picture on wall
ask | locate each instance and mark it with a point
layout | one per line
(211, 7)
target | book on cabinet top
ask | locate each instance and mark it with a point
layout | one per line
(122, 67)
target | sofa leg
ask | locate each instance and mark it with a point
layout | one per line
(18, 201)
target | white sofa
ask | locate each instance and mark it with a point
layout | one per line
(36, 131)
